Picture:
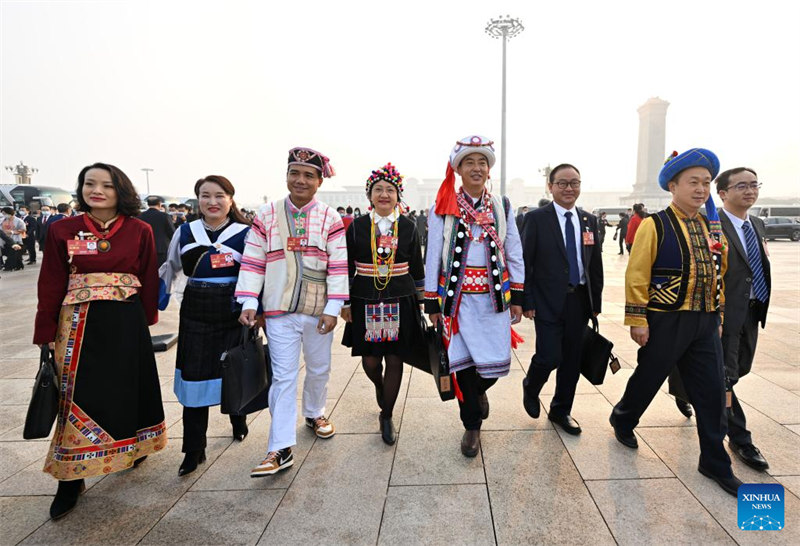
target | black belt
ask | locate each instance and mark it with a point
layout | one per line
(571, 289)
(756, 303)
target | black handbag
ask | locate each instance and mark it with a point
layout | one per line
(439, 362)
(245, 375)
(43, 408)
(596, 354)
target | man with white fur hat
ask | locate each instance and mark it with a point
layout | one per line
(474, 277)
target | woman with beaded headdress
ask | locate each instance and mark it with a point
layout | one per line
(387, 277)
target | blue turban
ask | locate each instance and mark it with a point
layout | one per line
(696, 157)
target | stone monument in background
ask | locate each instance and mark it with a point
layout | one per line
(651, 155)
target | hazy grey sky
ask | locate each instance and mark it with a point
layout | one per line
(227, 87)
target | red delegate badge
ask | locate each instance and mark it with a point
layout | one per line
(296, 244)
(387, 241)
(588, 238)
(222, 260)
(484, 218)
(81, 248)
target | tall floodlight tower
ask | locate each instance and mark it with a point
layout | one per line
(503, 28)
(147, 171)
(22, 173)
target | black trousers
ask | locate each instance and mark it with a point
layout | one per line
(558, 346)
(738, 350)
(689, 340)
(621, 244)
(29, 246)
(195, 425)
(472, 387)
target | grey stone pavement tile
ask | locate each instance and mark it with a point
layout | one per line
(21, 516)
(532, 483)
(437, 514)
(197, 518)
(345, 510)
(429, 450)
(126, 505)
(537, 494)
(599, 456)
(654, 511)
(679, 449)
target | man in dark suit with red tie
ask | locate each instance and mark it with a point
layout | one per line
(563, 289)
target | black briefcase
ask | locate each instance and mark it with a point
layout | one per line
(43, 408)
(439, 362)
(596, 354)
(245, 375)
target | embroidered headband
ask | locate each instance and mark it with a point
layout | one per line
(311, 158)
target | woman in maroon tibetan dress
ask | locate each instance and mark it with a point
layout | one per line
(98, 290)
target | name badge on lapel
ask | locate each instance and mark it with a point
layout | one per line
(222, 260)
(296, 244)
(387, 241)
(588, 238)
(484, 218)
(81, 248)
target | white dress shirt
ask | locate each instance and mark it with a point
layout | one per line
(576, 225)
(383, 223)
(737, 225)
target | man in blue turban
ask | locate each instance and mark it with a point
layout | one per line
(674, 305)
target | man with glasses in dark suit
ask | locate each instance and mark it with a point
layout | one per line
(563, 289)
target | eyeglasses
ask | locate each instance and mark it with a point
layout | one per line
(744, 186)
(564, 184)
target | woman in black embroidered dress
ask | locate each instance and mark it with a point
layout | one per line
(386, 282)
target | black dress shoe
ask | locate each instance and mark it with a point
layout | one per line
(729, 485)
(66, 497)
(190, 461)
(139, 461)
(750, 455)
(483, 402)
(684, 407)
(530, 400)
(240, 429)
(388, 432)
(628, 440)
(471, 443)
(566, 422)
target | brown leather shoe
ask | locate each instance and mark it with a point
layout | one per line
(471, 443)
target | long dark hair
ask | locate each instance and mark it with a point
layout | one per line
(234, 214)
(127, 199)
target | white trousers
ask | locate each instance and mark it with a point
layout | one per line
(285, 335)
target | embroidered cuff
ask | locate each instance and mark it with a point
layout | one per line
(635, 315)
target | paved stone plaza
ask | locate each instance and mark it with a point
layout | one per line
(531, 483)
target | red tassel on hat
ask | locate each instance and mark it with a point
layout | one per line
(446, 196)
(516, 339)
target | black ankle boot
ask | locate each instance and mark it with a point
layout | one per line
(190, 461)
(139, 461)
(388, 432)
(240, 429)
(66, 497)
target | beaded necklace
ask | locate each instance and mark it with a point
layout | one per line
(382, 262)
(468, 214)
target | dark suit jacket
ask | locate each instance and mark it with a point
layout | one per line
(546, 266)
(162, 229)
(31, 229)
(739, 277)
